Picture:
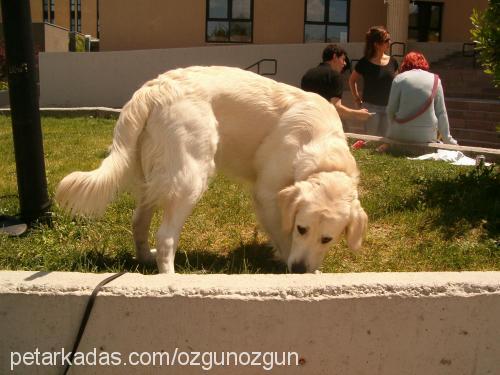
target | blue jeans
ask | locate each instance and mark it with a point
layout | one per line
(378, 124)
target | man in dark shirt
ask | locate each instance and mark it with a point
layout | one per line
(326, 81)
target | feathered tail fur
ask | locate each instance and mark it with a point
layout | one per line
(88, 193)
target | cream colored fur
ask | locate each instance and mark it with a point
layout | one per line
(178, 128)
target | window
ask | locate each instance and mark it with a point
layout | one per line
(75, 15)
(98, 24)
(326, 21)
(229, 21)
(425, 21)
(52, 8)
(48, 11)
(79, 16)
(72, 15)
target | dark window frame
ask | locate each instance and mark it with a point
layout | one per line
(45, 8)
(229, 20)
(79, 16)
(439, 29)
(48, 7)
(326, 22)
(52, 11)
(72, 5)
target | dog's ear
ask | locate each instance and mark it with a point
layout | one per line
(288, 200)
(358, 223)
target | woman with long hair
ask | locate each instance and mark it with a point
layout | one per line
(416, 107)
(377, 70)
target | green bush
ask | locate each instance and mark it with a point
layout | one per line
(486, 34)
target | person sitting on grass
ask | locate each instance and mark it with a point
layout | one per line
(416, 109)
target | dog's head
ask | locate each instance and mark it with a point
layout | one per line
(315, 213)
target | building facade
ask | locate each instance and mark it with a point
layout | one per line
(145, 24)
(73, 15)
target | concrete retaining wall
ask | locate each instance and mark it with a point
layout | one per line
(108, 79)
(389, 323)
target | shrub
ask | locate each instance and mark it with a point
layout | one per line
(486, 34)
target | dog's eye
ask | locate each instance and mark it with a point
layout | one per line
(301, 230)
(325, 239)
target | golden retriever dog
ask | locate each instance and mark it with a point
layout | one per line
(180, 127)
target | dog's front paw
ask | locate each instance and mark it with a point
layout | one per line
(165, 267)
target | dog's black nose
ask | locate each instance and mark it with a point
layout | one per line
(299, 267)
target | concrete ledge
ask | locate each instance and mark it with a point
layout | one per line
(75, 112)
(372, 323)
(491, 154)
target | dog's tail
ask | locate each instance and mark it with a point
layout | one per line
(88, 193)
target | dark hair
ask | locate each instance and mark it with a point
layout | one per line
(414, 60)
(376, 34)
(333, 50)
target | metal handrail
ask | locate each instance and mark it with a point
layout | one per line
(466, 53)
(350, 63)
(258, 66)
(397, 44)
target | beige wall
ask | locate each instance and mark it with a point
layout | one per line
(109, 78)
(132, 24)
(89, 17)
(36, 10)
(61, 14)
(276, 23)
(365, 13)
(56, 39)
(456, 19)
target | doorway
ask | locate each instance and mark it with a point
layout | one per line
(425, 21)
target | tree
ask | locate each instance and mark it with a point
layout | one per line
(486, 34)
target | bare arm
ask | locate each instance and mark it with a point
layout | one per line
(346, 113)
(353, 85)
(442, 116)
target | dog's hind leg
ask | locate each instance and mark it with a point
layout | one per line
(167, 237)
(140, 228)
(184, 172)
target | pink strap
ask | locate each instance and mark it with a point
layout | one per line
(425, 106)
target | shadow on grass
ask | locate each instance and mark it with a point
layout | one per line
(469, 200)
(247, 258)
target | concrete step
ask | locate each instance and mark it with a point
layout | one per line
(475, 122)
(460, 123)
(474, 115)
(476, 137)
(475, 143)
(456, 61)
(468, 104)
(467, 83)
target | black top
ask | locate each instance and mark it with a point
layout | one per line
(377, 80)
(323, 80)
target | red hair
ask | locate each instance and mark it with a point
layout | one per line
(414, 60)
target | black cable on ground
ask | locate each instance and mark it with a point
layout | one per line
(86, 316)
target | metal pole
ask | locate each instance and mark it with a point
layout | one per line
(25, 113)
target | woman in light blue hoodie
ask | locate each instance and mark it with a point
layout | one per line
(416, 108)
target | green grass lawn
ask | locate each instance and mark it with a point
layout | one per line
(424, 216)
